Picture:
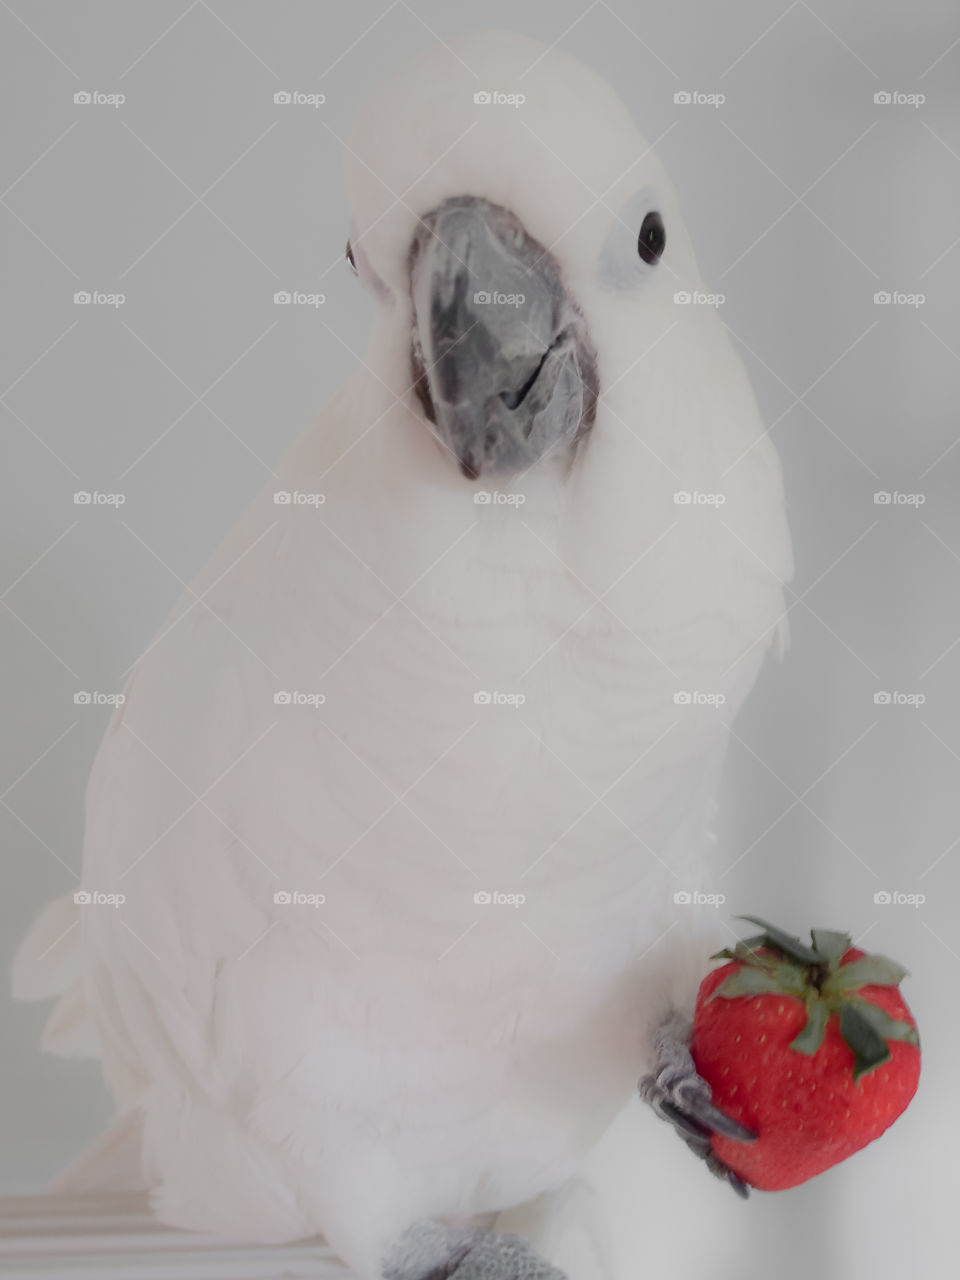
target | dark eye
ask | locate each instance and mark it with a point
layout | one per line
(351, 260)
(652, 239)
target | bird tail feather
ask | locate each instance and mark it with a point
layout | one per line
(45, 967)
(110, 1163)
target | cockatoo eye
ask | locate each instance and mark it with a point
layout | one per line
(652, 239)
(351, 260)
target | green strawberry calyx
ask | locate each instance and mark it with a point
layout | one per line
(775, 963)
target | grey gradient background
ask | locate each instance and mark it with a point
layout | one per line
(198, 198)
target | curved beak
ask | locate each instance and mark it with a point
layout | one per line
(502, 361)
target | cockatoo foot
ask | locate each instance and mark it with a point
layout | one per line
(679, 1095)
(429, 1251)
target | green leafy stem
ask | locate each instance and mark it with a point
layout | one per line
(776, 963)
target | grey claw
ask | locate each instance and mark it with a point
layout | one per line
(726, 1174)
(738, 1184)
(681, 1121)
(707, 1114)
(679, 1095)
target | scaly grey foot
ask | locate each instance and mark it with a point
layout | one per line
(428, 1251)
(680, 1096)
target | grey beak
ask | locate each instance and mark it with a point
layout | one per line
(502, 360)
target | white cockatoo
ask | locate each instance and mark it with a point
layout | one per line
(400, 797)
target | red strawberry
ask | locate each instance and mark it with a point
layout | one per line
(811, 1047)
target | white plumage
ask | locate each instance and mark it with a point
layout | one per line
(400, 1051)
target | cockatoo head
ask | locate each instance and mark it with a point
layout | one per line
(522, 236)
